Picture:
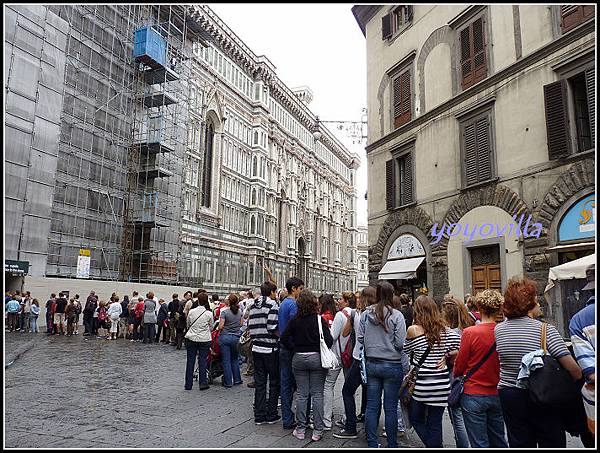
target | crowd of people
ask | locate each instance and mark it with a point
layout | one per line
(407, 357)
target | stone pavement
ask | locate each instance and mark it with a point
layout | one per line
(88, 392)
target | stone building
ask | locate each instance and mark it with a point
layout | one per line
(363, 257)
(184, 163)
(479, 115)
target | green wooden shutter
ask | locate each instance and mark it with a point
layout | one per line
(484, 149)
(470, 153)
(557, 119)
(591, 101)
(390, 182)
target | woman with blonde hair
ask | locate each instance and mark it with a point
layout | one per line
(480, 403)
(428, 341)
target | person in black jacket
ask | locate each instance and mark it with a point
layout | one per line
(162, 321)
(302, 336)
(124, 317)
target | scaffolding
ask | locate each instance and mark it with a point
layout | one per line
(122, 142)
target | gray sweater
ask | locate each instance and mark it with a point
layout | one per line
(379, 344)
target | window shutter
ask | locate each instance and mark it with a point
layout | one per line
(470, 150)
(402, 102)
(465, 57)
(386, 26)
(407, 180)
(570, 16)
(484, 150)
(591, 101)
(409, 12)
(390, 181)
(557, 119)
(479, 59)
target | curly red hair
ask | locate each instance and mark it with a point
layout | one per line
(519, 297)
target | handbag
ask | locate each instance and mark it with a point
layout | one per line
(408, 383)
(457, 386)
(346, 354)
(551, 385)
(328, 358)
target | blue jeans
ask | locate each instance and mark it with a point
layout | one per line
(427, 421)
(229, 354)
(34, 326)
(200, 351)
(288, 385)
(483, 420)
(458, 425)
(386, 377)
(351, 383)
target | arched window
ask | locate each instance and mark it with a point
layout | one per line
(207, 168)
(254, 166)
(252, 225)
(253, 198)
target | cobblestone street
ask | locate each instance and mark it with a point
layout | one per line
(88, 392)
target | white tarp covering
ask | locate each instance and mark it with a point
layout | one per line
(567, 271)
(400, 269)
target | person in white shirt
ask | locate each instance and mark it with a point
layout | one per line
(200, 323)
(114, 312)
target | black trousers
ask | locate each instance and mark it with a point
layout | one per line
(164, 330)
(529, 425)
(266, 366)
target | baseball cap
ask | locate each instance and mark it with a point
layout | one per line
(590, 275)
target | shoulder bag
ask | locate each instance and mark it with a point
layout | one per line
(328, 358)
(457, 386)
(551, 385)
(194, 322)
(408, 383)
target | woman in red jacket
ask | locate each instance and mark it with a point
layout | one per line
(480, 403)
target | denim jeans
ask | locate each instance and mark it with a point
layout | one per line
(386, 377)
(288, 386)
(266, 366)
(229, 356)
(483, 420)
(310, 378)
(427, 421)
(458, 425)
(529, 425)
(33, 324)
(195, 350)
(352, 382)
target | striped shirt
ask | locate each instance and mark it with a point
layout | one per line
(262, 324)
(432, 386)
(519, 336)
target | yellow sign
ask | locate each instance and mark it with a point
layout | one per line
(84, 252)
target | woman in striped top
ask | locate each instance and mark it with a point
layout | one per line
(527, 424)
(432, 387)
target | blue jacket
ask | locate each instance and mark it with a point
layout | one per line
(583, 335)
(13, 306)
(287, 312)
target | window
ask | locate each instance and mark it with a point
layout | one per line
(207, 170)
(401, 99)
(476, 147)
(570, 114)
(573, 15)
(473, 57)
(396, 20)
(399, 181)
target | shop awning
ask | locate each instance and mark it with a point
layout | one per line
(401, 269)
(572, 269)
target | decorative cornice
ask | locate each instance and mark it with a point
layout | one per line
(260, 68)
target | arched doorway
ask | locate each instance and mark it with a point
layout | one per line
(302, 264)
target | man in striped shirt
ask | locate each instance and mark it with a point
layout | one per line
(263, 318)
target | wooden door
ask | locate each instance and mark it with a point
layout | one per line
(486, 277)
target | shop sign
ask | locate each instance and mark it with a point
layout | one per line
(580, 220)
(16, 268)
(406, 246)
(83, 263)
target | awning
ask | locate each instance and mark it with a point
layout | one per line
(567, 271)
(571, 247)
(401, 269)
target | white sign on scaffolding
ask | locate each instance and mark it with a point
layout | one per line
(83, 264)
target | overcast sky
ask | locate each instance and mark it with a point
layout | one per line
(317, 45)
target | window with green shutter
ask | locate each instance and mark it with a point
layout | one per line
(399, 181)
(477, 149)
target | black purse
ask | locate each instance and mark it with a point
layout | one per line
(457, 387)
(552, 385)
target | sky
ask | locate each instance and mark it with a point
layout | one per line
(317, 45)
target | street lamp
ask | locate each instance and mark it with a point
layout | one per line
(316, 131)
